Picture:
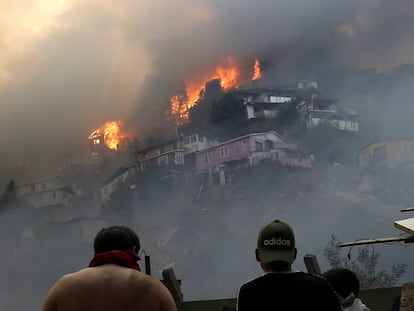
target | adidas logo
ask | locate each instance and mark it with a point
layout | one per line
(278, 242)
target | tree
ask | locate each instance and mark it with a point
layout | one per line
(288, 119)
(229, 115)
(364, 265)
(199, 114)
(9, 194)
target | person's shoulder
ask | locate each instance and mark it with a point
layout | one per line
(76, 275)
(253, 281)
(139, 279)
(312, 278)
(59, 289)
(70, 279)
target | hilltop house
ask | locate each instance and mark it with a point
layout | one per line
(196, 142)
(166, 159)
(327, 111)
(264, 103)
(192, 143)
(46, 192)
(389, 152)
(162, 160)
(249, 150)
(308, 85)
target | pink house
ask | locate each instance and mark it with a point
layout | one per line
(249, 150)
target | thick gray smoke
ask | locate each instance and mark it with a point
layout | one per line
(64, 75)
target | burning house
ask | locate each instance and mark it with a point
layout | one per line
(108, 137)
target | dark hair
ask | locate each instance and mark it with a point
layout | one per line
(115, 238)
(343, 281)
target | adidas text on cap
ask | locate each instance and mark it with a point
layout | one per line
(276, 242)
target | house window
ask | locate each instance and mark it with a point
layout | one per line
(224, 151)
(207, 156)
(186, 140)
(259, 146)
(268, 144)
(193, 138)
(272, 98)
(200, 138)
(162, 160)
(409, 145)
(179, 158)
(244, 143)
(380, 153)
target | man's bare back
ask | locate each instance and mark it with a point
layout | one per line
(108, 288)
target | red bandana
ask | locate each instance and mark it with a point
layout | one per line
(123, 258)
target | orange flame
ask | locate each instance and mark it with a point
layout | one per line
(111, 134)
(227, 72)
(257, 70)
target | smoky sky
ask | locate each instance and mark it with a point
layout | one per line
(67, 67)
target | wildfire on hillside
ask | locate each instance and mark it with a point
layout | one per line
(257, 70)
(228, 72)
(109, 134)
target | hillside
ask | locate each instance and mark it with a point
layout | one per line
(208, 241)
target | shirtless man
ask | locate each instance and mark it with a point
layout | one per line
(113, 280)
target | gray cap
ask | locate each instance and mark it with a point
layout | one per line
(276, 242)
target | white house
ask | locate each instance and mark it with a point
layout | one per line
(326, 111)
(305, 85)
(45, 192)
(265, 103)
(196, 142)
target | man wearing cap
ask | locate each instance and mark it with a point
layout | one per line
(280, 288)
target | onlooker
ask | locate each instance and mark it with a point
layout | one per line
(280, 288)
(113, 280)
(346, 285)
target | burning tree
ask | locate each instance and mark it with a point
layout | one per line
(229, 75)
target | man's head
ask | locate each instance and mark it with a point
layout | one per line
(343, 281)
(276, 243)
(116, 238)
